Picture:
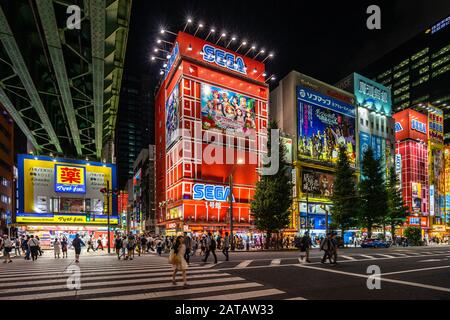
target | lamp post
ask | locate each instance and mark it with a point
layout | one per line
(108, 192)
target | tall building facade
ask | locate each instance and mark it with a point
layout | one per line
(375, 124)
(211, 130)
(418, 72)
(135, 130)
(143, 213)
(6, 169)
(318, 118)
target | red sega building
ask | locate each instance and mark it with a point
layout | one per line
(411, 133)
(211, 122)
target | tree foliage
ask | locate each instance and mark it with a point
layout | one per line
(345, 199)
(397, 211)
(273, 195)
(372, 190)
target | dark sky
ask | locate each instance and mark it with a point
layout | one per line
(324, 39)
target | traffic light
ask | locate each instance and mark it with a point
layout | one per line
(88, 217)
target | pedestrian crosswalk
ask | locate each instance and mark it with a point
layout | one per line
(106, 278)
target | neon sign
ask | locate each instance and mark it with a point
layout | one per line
(70, 179)
(419, 126)
(223, 59)
(211, 192)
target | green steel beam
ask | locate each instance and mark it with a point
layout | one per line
(48, 19)
(17, 118)
(12, 49)
(97, 18)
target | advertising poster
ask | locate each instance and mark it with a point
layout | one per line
(317, 183)
(416, 196)
(41, 199)
(227, 111)
(364, 144)
(287, 142)
(172, 116)
(324, 124)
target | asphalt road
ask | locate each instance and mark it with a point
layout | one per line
(406, 273)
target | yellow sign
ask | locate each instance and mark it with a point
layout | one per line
(439, 228)
(65, 219)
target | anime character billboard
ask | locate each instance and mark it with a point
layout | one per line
(172, 117)
(227, 112)
(324, 124)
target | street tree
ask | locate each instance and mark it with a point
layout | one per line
(345, 200)
(372, 191)
(273, 195)
(397, 211)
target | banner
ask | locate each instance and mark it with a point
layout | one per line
(172, 116)
(324, 124)
(227, 111)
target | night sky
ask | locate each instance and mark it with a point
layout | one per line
(324, 39)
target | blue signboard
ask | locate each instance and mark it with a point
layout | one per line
(171, 60)
(223, 58)
(372, 95)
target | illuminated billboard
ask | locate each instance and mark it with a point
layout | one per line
(324, 124)
(227, 111)
(317, 183)
(172, 116)
(372, 95)
(63, 190)
(410, 124)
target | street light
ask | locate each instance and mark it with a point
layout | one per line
(108, 192)
(230, 198)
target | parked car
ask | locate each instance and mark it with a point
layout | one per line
(375, 243)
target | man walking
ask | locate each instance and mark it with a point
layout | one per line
(226, 246)
(328, 247)
(6, 245)
(188, 244)
(33, 243)
(77, 243)
(90, 245)
(210, 247)
(305, 246)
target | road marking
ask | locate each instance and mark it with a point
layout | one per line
(243, 264)
(105, 290)
(368, 257)
(413, 284)
(162, 294)
(348, 257)
(296, 298)
(275, 262)
(432, 260)
(414, 270)
(386, 255)
(242, 295)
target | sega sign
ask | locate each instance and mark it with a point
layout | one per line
(418, 126)
(224, 59)
(211, 192)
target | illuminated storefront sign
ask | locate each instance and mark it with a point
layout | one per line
(211, 192)
(64, 219)
(432, 200)
(440, 25)
(64, 190)
(70, 179)
(172, 116)
(223, 59)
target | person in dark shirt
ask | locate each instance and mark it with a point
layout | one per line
(76, 244)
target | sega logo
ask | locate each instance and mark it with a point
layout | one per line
(398, 127)
(419, 126)
(223, 59)
(211, 192)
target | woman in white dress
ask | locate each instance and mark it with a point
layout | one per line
(57, 247)
(176, 258)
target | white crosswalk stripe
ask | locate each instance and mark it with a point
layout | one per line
(347, 257)
(275, 262)
(243, 264)
(106, 278)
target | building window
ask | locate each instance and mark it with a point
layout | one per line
(384, 74)
(361, 121)
(421, 80)
(400, 73)
(367, 123)
(419, 54)
(441, 71)
(401, 90)
(441, 51)
(401, 65)
(420, 62)
(440, 61)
